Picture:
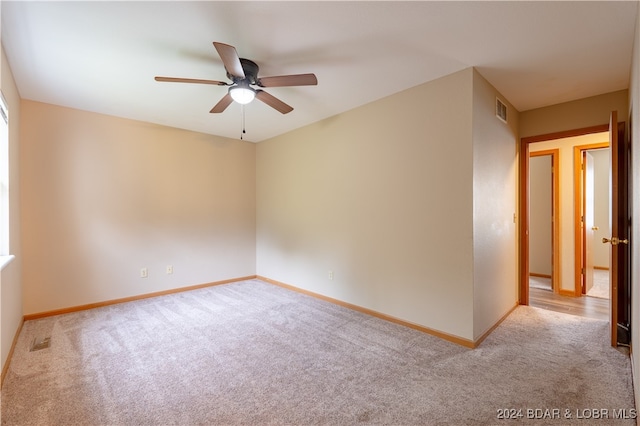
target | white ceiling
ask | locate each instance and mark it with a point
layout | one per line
(103, 56)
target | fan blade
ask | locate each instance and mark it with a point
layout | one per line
(222, 104)
(273, 102)
(191, 80)
(230, 59)
(289, 80)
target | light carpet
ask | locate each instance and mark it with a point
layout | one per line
(253, 353)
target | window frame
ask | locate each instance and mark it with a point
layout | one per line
(4, 177)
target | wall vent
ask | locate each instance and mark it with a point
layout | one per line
(501, 110)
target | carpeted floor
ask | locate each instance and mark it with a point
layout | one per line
(252, 353)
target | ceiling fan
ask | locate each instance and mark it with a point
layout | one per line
(244, 73)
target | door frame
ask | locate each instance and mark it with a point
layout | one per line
(578, 203)
(523, 205)
(555, 215)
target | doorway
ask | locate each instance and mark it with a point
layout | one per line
(592, 219)
(564, 298)
(544, 250)
(619, 273)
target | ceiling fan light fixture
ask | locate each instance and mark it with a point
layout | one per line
(242, 94)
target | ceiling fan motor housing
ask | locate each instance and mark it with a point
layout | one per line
(250, 69)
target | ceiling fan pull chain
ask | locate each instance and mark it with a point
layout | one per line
(243, 130)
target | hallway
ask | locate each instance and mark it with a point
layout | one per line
(585, 306)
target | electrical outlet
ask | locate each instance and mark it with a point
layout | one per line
(169, 269)
(144, 273)
(331, 275)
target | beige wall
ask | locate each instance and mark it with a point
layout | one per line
(578, 114)
(634, 108)
(10, 278)
(103, 197)
(383, 196)
(494, 206)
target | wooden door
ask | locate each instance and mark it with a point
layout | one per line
(619, 273)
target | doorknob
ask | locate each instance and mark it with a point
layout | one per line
(615, 241)
(594, 228)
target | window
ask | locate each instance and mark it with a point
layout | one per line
(4, 177)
